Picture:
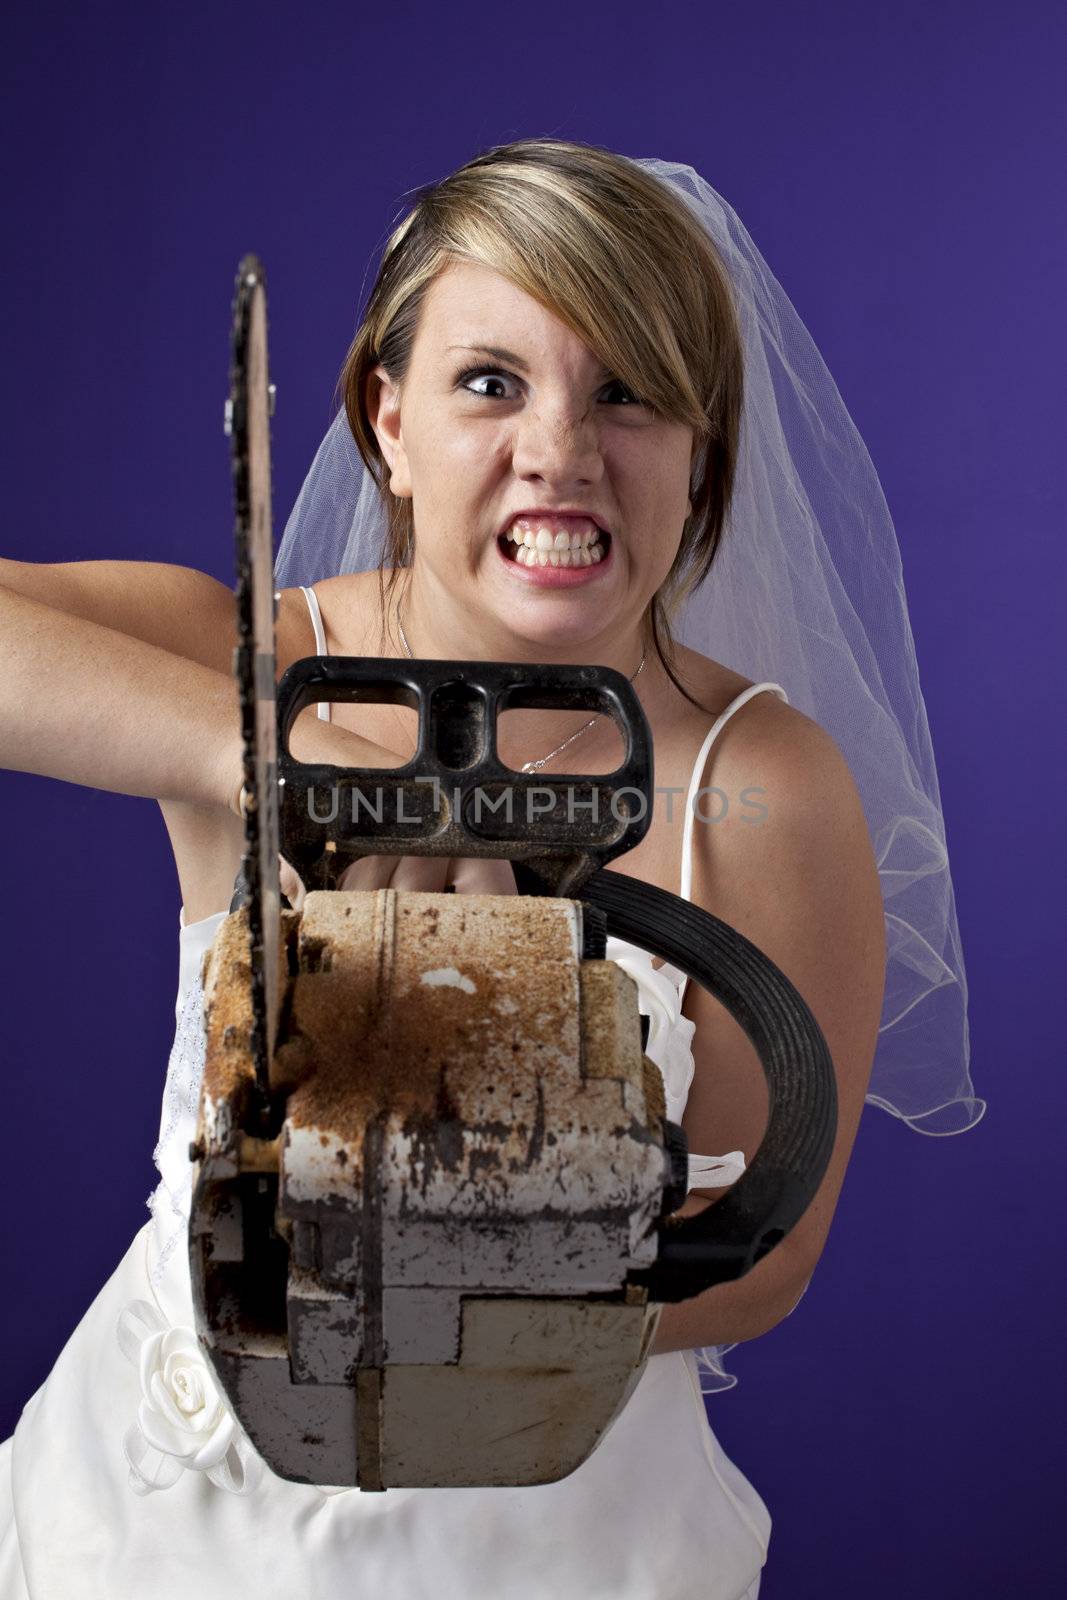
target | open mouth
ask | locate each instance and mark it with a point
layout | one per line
(540, 547)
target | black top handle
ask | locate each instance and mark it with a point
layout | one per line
(455, 797)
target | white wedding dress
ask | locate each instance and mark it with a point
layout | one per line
(657, 1512)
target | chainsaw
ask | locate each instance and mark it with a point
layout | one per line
(433, 1218)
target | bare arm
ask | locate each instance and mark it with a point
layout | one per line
(118, 675)
(85, 703)
(803, 886)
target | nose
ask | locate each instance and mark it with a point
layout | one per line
(557, 442)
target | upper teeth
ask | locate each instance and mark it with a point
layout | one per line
(555, 547)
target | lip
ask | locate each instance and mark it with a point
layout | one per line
(555, 577)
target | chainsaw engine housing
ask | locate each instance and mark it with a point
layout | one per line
(418, 1274)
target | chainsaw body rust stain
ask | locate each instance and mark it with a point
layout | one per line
(440, 1142)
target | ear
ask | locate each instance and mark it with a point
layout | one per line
(383, 413)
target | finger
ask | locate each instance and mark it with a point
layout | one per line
(423, 874)
(427, 874)
(369, 872)
(291, 884)
(489, 875)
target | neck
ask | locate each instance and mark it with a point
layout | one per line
(437, 628)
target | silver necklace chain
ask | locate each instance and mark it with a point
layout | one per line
(529, 766)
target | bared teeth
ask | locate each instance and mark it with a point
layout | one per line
(552, 542)
(586, 556)
(551, 534)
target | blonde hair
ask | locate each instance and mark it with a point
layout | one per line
(620, 260)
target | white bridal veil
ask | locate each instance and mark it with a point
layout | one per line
(806, 590)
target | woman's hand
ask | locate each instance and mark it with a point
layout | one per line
(320, 743)
(431, 874)
(428, 874)
(315, 740)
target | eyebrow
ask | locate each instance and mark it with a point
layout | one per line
(495, 351)
(498, 354)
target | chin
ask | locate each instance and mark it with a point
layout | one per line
(570, 634)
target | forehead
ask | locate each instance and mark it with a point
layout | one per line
(469, 304)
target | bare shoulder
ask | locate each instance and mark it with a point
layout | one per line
(765, 734)
(350, 607)
(785, 807)
(792, 866)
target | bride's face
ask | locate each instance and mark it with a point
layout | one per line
(504, 411)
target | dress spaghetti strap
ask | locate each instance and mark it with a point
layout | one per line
(686, 877)
(320, 639)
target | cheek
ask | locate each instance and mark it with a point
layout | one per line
(659, 558)
(479, 453)
(657, 501)
(656, 530)
(455, 445)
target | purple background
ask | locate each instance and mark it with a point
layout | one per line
(901, 168)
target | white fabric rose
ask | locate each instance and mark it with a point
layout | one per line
(183, 1422)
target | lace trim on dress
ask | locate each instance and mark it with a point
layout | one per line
(171, 1200)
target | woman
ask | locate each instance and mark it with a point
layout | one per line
(548, 396)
